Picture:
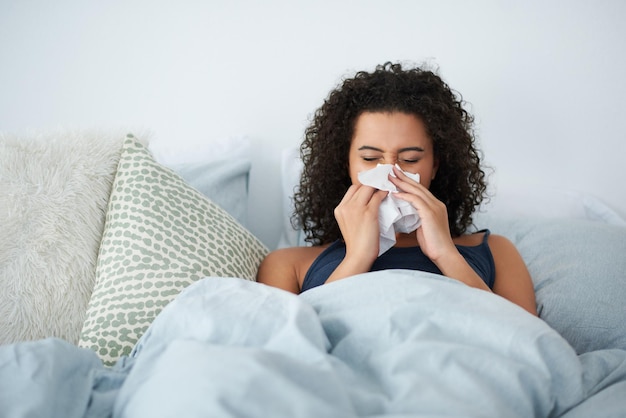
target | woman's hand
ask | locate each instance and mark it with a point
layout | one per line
(434, 234)
(357, 216)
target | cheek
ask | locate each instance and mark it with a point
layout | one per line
(425, 181)
(425, 176)
(355, 168)
(354, 176)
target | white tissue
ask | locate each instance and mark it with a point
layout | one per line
(394, 215)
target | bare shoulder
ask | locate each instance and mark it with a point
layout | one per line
(505, 254)
(500, 244)
(285, 268)
(470, 240)
(495, 241)
(513, 280)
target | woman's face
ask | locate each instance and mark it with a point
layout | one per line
(392, 138)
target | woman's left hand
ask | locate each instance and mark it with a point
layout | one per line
(433, 235)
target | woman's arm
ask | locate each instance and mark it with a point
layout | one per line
(433, 236)
(357, 217)
(286, 268)
(513, 281)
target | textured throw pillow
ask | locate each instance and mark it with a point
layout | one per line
(218, 169)
(225, 182)
(54, 189)
(160, 236)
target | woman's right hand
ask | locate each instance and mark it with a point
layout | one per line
(357, 216)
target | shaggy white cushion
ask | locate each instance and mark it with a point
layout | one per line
(54, 190)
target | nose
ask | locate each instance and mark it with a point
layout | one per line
(390, 159)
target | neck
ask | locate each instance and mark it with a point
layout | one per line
(406, 240)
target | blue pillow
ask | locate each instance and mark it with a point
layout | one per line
(224, 182)
(219, 169)
(578, 269)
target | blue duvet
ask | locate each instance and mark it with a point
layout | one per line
(392, 343)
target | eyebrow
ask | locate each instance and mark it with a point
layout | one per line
(367, 147)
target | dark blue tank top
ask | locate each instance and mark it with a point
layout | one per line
(479, 257)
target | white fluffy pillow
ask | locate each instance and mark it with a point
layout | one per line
(54, 190)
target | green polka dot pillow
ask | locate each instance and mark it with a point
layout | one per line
(160, 235)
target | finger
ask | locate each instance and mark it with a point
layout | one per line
(357, 194)
(401, 180)
(408, 186)
(378, 197)
(403, 176)
(360, 196)
(349, 194)
(364, 194)
(426, 208)
(418, 200)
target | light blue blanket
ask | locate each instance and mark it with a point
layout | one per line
(384, 344)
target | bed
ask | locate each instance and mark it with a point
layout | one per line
(170, 322)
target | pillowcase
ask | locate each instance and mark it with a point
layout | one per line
(218, 169)
(549, 203)
(54, 189)
(199, 151)
(225, 182)
(160, 236)
(578, 269)
(291, 169)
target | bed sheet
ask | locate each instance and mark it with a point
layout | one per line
(390, 343)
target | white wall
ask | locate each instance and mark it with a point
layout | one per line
(545, 79)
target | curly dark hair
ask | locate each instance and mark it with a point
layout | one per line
(460, 181)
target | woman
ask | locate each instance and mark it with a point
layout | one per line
(409, 118)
